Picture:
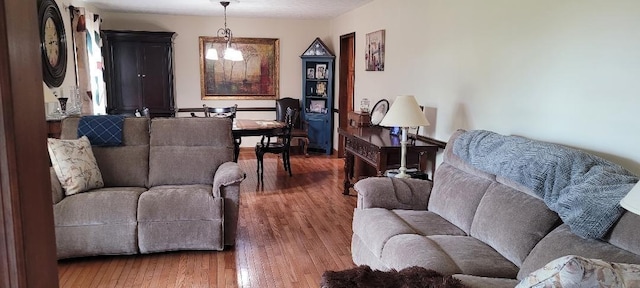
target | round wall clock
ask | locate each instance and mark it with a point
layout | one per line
(53, 43)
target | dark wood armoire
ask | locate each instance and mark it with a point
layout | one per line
(139, 72)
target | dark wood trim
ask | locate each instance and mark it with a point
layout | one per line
(239, 109)
(27, 240)
(440, 144)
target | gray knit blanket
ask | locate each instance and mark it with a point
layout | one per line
(585, 190)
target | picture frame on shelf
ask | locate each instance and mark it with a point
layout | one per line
(321, 89)
(316, 106)
(311, 73)
(378, 111)
(321, 71)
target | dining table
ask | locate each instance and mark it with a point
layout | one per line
(250, 127)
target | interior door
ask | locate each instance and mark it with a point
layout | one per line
(346, 83)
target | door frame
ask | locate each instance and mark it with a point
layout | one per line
(346, 83)
(27, 240)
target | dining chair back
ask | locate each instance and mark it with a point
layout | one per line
(300, 127)
(277, 143)
(222, 112)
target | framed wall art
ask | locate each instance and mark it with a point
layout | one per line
(257, 76)
(374, 54)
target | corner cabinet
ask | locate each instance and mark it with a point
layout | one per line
(317, 95)
(139, 72)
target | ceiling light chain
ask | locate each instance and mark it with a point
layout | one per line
(230, 53)
(225, 32)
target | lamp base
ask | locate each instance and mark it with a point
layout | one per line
(402, 175)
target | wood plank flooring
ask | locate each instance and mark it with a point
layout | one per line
(291, 230)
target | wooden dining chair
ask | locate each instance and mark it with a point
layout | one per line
(223, 112)
(277, 143)
(300, 127)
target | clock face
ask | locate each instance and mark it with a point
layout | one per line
(51, 43)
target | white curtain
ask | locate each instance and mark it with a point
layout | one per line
(89, 61)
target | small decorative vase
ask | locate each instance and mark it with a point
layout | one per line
(63, 104)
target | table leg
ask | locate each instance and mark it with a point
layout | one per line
(236, 148)
(348, 172)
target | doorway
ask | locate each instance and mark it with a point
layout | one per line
(346, 83)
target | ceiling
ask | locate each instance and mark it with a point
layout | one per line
(301, 9)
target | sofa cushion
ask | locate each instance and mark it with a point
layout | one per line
(178, 203)
(362, 255)
(511, 222)
(75, 165)
(103, 206)
(576, 271)
(188, 150)
(484, 282)
(126, 165)
(455, 195)
(624, 233)
(183, 217)
(376, 226)
(408, 250)
(562, 242)
(474, 257)
(427, 223)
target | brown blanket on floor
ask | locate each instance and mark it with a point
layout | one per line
(363, 276)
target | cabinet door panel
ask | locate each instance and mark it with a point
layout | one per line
(316, 131)
(127, 94)
(156, 82)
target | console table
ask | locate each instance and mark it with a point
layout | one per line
(376, 147)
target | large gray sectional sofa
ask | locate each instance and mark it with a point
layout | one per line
(172, 185)
(486, 230)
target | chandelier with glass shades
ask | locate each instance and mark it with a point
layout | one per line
(230, 53)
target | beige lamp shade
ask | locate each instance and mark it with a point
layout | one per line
(404, 112)
(631, 202)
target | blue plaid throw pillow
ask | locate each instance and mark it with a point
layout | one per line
(102, 130)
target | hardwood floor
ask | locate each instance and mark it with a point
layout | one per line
(291, 230)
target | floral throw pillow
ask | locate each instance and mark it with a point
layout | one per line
(576, 271)
(75, 165)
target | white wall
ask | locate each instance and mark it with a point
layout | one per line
(295, 36)
(561, 71)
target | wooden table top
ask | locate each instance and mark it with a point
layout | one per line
(249, 124)
(380, 137)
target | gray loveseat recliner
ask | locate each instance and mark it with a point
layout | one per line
(172, 188)
(486, 230)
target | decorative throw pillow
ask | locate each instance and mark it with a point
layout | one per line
(75, 165)
(576, 271)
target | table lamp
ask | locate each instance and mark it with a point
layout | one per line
(631, 202)
(404, 112)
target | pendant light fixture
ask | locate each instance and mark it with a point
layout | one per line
(229, 53)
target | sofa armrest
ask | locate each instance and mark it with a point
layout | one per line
(228, 173)
(393, 193)
(226, 184)
(56, 189)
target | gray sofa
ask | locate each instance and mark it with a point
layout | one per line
(172, 185)
(486, 230)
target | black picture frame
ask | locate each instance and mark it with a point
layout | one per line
(378, 111)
